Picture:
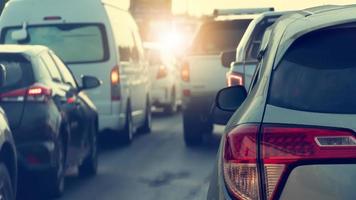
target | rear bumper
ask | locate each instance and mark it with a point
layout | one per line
(37, 156)
(160, 96)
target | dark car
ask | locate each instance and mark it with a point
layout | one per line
(53, 121)
(293, 135)
(8, 159)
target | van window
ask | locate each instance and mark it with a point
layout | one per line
(218, 36)
(125, 40)
(318, 73)
(19, 73)
(74, 43)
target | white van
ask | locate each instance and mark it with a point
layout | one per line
(93, 37)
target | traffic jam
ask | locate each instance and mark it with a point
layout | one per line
(178, 100)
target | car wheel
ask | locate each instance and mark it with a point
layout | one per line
(89, 167)
(172, 107)
(193, 130)
(54, 179)
(128, 132)
(147, 126)
(6, 190)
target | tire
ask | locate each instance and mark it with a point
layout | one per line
(128, 132)
(54, 179)
(172, 107)
(89, 167)
(147, 126)
(6, 189)
(193, 130)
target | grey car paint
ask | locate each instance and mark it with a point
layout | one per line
(284, 33)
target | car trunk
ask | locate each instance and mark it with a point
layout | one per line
(206, 73)
(308, 147)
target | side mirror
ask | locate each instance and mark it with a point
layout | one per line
(228, 100)
(90, 82)
(227, 57)
(21, 34)
(2, 75)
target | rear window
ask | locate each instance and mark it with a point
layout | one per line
(18, 72)
(218, 36)
(74, 43)
(318, 73)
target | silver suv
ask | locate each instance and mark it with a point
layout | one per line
(293, 136)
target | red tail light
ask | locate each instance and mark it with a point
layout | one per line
(185, 73)
(282, 149)
(162, 72)
(36, 93)
(115, 84)
(234, 79)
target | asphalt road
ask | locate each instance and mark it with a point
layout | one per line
(155, 166)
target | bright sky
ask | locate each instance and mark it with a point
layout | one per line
(198, 7)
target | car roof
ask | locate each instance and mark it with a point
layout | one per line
(292, 26)
(30, 50)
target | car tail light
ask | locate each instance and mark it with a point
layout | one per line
(115, 84)
(185, 73)
(281, 148)
(35, 93)
(234, 79)
(284, 146)
(186, 93)
(162, 72)
(240, 162)
(52, 18)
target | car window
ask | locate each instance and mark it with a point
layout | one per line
(318, 73)
(40, 71)
(19, 73)
(51, 66)
(74, 43)
(138, 45)
(66, 74)
(254, 43)
(218, 36)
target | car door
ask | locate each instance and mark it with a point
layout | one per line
(79, 114)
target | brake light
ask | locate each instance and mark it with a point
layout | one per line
(36, 93)
(240, 162)
(234, 79)
(282, 148)
(162, 72)
(185, 73)
(115, 84)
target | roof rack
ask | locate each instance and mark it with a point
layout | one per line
(243, 11)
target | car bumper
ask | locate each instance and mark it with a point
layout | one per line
(200, 102)
(37, 156)
(160, 96)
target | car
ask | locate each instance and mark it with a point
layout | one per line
(8, 156)
(54, 123)
(104, 43)
(165, 76)
(202, 73)
(243, 61)
(293, 134)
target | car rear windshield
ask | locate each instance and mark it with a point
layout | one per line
(215, 37)
(74, 43)
(318, 73)
(19, 72)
